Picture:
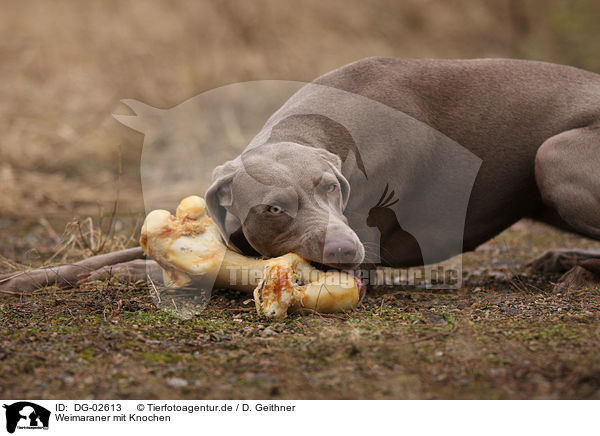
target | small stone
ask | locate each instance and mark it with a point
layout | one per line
(268, 332)
(177, 383)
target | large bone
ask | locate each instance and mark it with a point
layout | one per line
(189, 249)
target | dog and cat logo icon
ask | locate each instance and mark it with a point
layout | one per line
(26, 415)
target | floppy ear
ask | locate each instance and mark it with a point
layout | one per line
(335, 163)
(219, 196)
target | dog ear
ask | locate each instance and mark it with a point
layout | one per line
(335, 163)
(344, 186)
(219, 197)
(329, 157)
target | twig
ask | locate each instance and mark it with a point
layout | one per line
(113, 216)
(136, 227)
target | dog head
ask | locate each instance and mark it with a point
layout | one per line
(286, 197)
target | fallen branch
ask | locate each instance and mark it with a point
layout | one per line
(64, 276)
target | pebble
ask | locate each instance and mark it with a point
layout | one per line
(176, 382)
(268, 332)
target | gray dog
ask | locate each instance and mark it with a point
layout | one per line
(534, 126)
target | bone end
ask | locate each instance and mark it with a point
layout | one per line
(333, 292)
(191, 208)
(156, 223)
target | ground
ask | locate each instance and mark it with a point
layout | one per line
(505, 334)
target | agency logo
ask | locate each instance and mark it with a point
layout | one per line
(26, 415)
(334, 176)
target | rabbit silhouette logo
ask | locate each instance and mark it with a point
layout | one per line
(26, 415)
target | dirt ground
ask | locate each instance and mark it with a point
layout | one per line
(65, 162)
(504, 334)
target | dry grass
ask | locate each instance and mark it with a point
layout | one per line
(489, 339)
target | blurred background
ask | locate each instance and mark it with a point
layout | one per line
(65, 65)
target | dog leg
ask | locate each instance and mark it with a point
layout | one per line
(566, 171)
(561, 260)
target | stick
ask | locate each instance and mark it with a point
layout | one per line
(64, 276)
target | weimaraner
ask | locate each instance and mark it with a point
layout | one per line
(535, 126)
(531, 129)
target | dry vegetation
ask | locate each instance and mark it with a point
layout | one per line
(504, 334)
(65, 65)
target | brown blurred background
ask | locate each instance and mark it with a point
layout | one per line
(64, 66)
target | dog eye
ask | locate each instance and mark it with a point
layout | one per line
(275, 210)
(332, 187)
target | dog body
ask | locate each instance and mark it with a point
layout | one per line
(533, 126)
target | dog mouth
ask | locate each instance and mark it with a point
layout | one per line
(336, 267)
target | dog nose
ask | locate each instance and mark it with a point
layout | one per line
(339, 251)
